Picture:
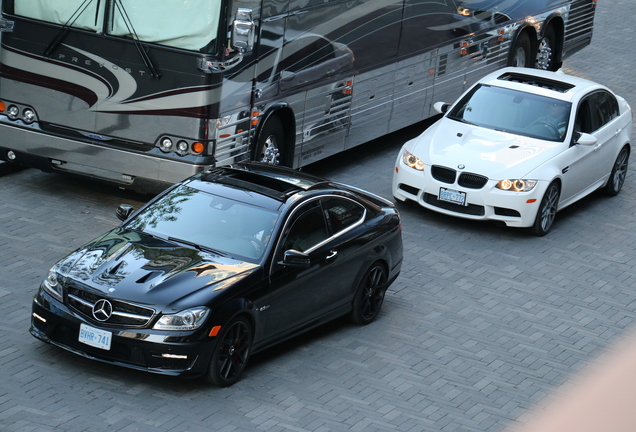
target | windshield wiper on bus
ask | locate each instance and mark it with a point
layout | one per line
(154, 73)
(196, 246)
(55, 42)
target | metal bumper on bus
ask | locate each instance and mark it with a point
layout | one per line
(50, 153)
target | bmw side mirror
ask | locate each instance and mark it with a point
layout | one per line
(585, 139)
(124, 211)
(441, 107)
(293, 258)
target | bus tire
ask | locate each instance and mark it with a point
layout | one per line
(521, 53)
(270, 144)
(547, 51)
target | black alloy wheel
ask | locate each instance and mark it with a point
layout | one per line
(370, 295)
(231, 353)
(547, 210)
(618, 174)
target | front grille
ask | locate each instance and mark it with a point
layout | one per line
(472, 181)
(470, 209)
(443, 174)
(124, 313)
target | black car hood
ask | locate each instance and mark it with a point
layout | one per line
(137, 267)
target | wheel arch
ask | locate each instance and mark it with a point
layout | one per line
(286, 115)
(363, 271)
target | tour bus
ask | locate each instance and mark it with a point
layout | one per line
(144, 93)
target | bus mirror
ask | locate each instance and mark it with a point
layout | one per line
(243, 31)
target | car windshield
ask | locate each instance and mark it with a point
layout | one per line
(515, 112)
(209, 222)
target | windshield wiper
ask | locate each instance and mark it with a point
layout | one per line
(154, 73)
(196, 246)
(64, 30)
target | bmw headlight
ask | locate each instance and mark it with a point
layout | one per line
(188, 319)
(518, 185)
(412, 161)
(52, 285)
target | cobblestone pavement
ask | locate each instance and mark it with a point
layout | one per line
(483, 322)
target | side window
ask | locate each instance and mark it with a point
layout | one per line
(607, 107)
(583, 122)
(342, 213)
(307, 229)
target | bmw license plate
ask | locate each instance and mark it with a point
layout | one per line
(95, 337)
(452, 196)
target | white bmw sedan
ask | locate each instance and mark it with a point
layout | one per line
(517, 147)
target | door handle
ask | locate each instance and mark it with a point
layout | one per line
(331, 255)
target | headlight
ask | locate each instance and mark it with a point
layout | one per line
(412, 161)
(518, 185)
(188, 319)
(52, 284)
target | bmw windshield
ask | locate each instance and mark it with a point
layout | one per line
(514, 112)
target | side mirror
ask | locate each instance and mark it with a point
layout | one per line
(585, 139)
(243, 30)
(441, 107)
(293, 258)
(124, 211)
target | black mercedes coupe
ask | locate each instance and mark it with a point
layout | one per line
(219, 266)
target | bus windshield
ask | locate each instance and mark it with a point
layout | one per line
(185, 24)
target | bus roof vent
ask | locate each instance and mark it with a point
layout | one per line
(546, 83)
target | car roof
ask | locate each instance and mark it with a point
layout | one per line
(268, 185)
(557, 85)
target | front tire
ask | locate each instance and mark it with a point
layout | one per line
(370, 295)
(618, 174)
(547, 210)
(271, 142)
(231, 352)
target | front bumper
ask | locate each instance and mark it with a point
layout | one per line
(147, 350)
(515, 209)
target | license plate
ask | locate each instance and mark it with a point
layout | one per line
(452, 196)
(95, 337)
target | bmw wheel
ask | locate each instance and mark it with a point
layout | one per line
(231, 352)
(370, 295)
(547, 210)
(618, 174)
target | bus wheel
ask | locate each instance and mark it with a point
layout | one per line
(521, 52)
(271, 142)
(546, 53)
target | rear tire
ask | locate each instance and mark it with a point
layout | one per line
(370, 295)
(546, 52)
(521, 53)
(618, 174)
(231, 352)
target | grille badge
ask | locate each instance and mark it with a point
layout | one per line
(102, 310)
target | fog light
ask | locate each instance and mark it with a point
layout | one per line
(11, 155)
(182, 146)
(13, 112)
(166, 144)
(28, 115)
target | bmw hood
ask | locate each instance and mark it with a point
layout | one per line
(136, 267)
(487, 152)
